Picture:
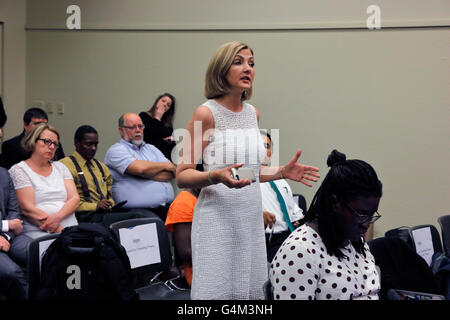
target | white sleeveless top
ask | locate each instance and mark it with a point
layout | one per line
(228, 241)
(50, 192)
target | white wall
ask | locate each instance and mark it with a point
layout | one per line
(235, 14)
(13, 15)
(381, 96)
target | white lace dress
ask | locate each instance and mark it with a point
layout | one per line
(49, 192)
(228, 242)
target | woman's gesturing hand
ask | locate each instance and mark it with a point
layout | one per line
(224, 176)
(299, 172)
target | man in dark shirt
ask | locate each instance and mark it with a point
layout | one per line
(12, 151)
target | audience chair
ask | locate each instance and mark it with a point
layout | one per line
(268, 290)
(301, 201)
(402, 233)
(154, 289)
(435, 237)
(401, 268)
(36, 250)
(444, 223)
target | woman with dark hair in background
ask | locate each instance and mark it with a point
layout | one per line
(158, 122)
(327, 257)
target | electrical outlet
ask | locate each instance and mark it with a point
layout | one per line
(49, 107)
(60, 108)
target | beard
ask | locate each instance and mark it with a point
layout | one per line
(135, 142)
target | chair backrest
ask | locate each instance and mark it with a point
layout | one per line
(444, 223)
(36, 250)
(426, 241)
(268, 290)
(301, 201)
(147, 244)
(401, 267)
(402, 233)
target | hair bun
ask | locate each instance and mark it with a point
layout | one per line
(336, 158)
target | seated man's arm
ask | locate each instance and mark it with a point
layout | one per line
(159, 171)
(164, 176)
(14, 214)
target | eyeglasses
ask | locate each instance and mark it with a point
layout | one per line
(138, 126)
(363, 218)
(49, 142)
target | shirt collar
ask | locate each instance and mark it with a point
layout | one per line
(80, 159)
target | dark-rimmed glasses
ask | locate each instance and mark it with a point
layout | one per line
(49, 142)
(138, 126)
(363, 218)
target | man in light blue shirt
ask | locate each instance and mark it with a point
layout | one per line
(140, 171)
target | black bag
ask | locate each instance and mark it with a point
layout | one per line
(86, 262)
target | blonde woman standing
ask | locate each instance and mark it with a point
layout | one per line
(228, 242)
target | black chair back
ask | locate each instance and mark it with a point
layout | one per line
(401, 267)
(36, 250)
(435, 237)
(301, 201)
(145, 276)
(268, 290)
(444, 223)
(144, 273)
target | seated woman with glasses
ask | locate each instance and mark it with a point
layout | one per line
(46, 192)
(326, 258)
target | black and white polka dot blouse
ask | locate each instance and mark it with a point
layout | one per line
(302, 269)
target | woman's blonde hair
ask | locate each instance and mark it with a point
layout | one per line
(28, 142)
(216, 84)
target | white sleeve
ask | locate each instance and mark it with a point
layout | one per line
(65, 172)
(19, 177)
(5, 226)
(295, 213)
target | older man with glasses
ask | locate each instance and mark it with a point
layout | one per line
(141, 173)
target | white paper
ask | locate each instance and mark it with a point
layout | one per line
(424, 243)
(43, 246)
(141, 244)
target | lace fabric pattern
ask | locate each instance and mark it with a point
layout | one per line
(228, 242)
(49, 192)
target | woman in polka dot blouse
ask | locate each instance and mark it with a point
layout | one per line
(326, 258)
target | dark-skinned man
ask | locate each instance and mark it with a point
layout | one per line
(94, 181)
